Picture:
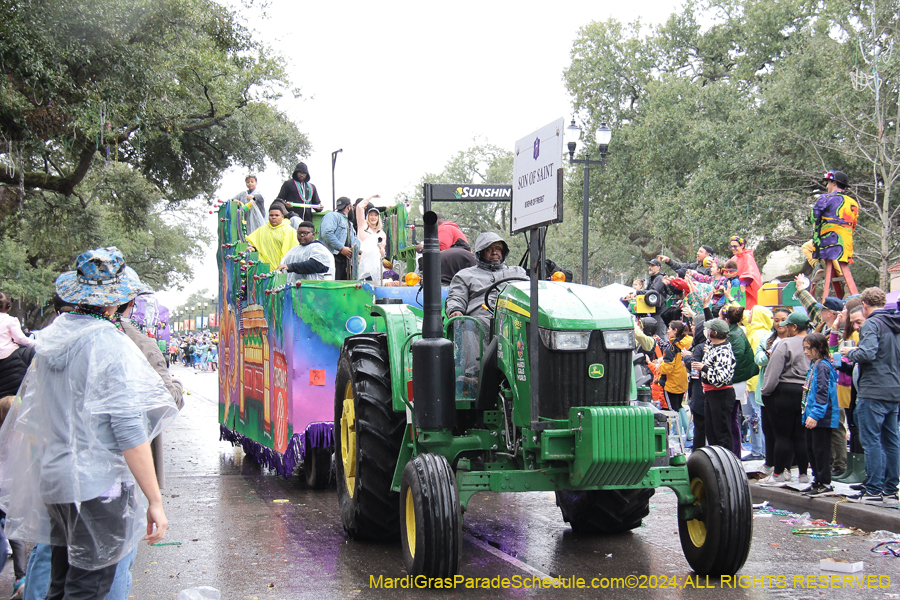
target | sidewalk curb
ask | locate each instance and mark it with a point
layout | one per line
(862, 516)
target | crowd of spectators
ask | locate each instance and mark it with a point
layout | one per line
(791, 382)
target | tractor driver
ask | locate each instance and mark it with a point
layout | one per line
(466, 295)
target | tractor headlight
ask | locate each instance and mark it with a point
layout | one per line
(565, 340)
(619, 340)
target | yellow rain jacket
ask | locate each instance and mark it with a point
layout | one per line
(760, 328)
(272, 243)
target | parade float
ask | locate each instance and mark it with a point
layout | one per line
(279, 346)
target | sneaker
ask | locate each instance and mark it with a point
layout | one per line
(803, 478)
(858, 486)
(809, 489)
(752, 456)
(864, 497)
(18, 589)
(767, 470)
(774, 481)
(819, 489)
(890, 500)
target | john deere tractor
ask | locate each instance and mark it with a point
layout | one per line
(429, 412)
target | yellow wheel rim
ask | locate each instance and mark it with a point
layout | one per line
(410, 523)
(348, 440)
(697, 528)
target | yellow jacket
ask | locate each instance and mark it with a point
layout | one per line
(760, 327)
(675, 371)
(272, 243)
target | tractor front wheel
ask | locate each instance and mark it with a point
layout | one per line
(604, 511)
(430, 517)
(367, 438)
(717, 540)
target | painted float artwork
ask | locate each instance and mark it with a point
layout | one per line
(279, 347)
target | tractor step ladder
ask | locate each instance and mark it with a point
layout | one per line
(835, 282)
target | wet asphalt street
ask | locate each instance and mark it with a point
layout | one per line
(254, 535)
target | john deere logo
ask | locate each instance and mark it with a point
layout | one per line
(595, 371)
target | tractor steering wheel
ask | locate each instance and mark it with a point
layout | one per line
(493, 286)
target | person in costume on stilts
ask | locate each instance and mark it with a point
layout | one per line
(273, 240)
(835, 215)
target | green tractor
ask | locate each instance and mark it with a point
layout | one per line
(423, 422)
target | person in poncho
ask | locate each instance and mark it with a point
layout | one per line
(310, 260)
(76, 440)
(253, 205)
(273, 240)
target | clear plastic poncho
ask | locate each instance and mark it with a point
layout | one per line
(63, 477)
(370, 266)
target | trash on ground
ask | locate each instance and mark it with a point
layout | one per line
(799, 520)
(891, 548)
(199, 593)
(840, 566)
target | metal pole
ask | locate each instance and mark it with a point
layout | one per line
(534, 339)
(333, 161)
(584, 231)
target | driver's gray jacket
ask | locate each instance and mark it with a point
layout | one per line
(469, 285)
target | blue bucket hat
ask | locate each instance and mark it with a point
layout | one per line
(100, 278)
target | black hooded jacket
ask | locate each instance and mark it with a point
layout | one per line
(290, 192)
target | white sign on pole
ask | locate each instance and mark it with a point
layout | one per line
(537, 178)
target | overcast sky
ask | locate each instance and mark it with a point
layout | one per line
(402, 86)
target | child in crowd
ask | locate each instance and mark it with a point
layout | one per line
(820, 412)
(671, 366)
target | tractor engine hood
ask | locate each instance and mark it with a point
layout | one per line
(567, 306)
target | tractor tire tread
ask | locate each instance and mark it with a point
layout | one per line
(604, 511)
(371, 514)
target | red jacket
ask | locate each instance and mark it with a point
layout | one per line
(448, 233)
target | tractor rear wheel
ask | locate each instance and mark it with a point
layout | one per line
(717, 540)
(367, 439)
(604, 511)
(430, 517)
(317, 466)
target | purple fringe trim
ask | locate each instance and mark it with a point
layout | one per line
(319, 435)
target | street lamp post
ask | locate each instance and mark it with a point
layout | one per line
(333, 161)
(602, 137)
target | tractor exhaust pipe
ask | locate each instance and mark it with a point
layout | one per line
(434, 386)
(432, 326)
